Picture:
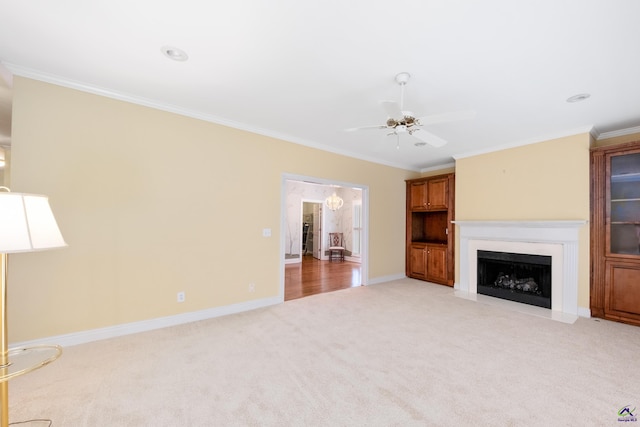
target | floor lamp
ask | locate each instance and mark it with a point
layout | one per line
(26, 224)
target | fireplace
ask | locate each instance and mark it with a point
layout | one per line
(558, 240)
(523, 278)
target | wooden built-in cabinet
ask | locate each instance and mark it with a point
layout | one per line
(615, 232)
(430, 231)
(429, 195)
(428, 262)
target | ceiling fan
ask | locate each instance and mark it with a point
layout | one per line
(401, 121)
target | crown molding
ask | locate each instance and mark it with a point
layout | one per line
(6, 75)
(126, 97)
(438, 167)
(621, 132)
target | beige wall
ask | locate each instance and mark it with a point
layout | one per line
(544, 181)
(152, 203)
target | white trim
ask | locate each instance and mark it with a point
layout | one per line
(584, 312)
(149, 325)
(439, 167)
(389, 278)
(6, 75)
(621, 132)
(521, 143)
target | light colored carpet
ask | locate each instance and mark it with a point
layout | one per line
(402, 353)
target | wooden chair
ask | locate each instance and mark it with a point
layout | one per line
(336, 247)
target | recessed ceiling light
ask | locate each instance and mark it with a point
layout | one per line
(579, 97)
(174, 53)
(420, 144)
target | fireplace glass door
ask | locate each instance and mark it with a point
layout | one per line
(624, 190)
(524, 278)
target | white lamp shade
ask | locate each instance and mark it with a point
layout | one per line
(27, 224)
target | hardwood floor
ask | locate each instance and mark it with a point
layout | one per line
(313, 276)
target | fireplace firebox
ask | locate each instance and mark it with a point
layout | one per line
(523, 278)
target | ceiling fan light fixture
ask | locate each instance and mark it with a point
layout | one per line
(402, 78)
(400, 120)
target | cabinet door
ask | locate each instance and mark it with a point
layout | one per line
(437, 264)
(622, 291)
(437, 194)
(624, 204)
(418, 196)
(417, 261)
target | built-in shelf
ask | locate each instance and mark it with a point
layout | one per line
(625, 177)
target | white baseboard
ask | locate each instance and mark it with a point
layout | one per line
(83, 337)
(584, 312)
(389, 278)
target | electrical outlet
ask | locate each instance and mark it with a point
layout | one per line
(181, 297)
(252, 287)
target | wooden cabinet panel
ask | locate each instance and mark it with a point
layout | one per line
(436, 263)
(428, 195)
(437, 192)
(417, 261)
(622, 297)
(418, 196)
(428, 262)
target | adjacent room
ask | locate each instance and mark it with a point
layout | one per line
(324, 237)
(300, 214)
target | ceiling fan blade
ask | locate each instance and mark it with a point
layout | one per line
(393, 110)
(447, 117)
(428, 137)
(366, 128)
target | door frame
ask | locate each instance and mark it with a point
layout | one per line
(364, 254)
(315, 202)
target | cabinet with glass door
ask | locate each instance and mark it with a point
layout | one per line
(624, 207)
(615, 232)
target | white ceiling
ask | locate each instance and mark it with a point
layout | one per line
(306, 70)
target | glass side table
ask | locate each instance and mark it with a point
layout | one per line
(23, 360)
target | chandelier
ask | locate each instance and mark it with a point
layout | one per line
(334, 202)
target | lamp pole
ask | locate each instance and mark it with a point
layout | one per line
(4, 344)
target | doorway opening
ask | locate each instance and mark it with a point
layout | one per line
(306, 224)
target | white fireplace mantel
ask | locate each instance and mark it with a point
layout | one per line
(559, 239)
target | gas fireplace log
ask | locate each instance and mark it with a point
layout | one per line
(511, 282)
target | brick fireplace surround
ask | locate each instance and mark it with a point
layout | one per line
(558, 239)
